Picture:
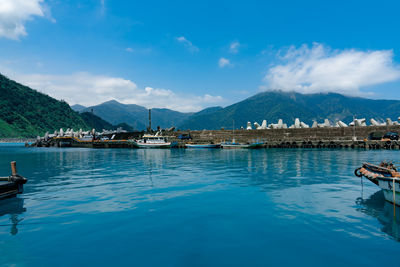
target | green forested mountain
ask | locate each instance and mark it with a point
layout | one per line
(289, 105)
(25, 112)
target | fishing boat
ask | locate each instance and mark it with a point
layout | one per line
(13, 184)
(234, 145)
(153, 141)
(384, 175)
(202, 145)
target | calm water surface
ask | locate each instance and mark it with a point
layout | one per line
(195, 208)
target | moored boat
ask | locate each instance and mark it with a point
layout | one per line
(384, 175)
(234, 145)
(153, 141)
(202, 145)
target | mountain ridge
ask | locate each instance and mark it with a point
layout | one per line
(269, 105)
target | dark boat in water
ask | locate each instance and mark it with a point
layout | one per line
(13, 184)
(384, 175)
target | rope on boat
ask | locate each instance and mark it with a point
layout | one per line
(357, 172)
(394, 197)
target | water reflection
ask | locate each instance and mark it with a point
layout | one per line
(12, 207)
(388, 215)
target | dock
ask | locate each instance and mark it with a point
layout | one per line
(350, 137)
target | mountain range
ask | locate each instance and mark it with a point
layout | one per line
(25, 112)
(135, 115)
(271, 105)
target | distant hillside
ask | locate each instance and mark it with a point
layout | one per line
(25, 112)
(78, 107)
(288, 106)
(99, 124)
(137, 116)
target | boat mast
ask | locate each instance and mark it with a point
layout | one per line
(233, 131)
(149, 129)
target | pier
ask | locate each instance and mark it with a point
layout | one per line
(333, 137)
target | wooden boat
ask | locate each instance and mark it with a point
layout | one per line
(153, 141)
(384, 175)
(234, 145)
(13, 184)
(202, 145)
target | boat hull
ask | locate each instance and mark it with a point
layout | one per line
(383, 178)
(202, 145)
(150, 145)
(386, 184)
(9, 189)
(234, 146)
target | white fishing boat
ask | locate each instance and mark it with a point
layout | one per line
(153, 141)
(384, 175)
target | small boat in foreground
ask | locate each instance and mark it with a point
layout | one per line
(202, 145)
(13, 184)
(384, 175)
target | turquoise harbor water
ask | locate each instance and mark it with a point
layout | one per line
(103, 207)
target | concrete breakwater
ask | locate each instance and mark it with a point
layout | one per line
(355, 137)
(348, 137)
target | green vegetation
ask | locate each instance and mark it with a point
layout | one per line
(276, 105)
(25, 112)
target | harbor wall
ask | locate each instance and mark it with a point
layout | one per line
(348, 137)
(289, 135)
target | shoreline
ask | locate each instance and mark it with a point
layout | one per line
(17, 140)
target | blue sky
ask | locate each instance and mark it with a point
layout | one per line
(188, 55)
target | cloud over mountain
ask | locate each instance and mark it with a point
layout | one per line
(321, 69)
(89, 89)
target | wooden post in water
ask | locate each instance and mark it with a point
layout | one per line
(13, 168)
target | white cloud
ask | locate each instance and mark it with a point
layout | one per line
(130, 50)
(14, 14)
(321, 69)
(223, 62)
(88, 89)
(234, 47)
(187, 43)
